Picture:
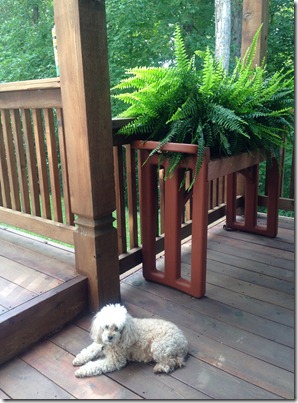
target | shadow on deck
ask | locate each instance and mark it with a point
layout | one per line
(241, 334)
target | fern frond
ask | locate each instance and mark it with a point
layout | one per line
(207, 73)
(227, 119)
(225, 144)
(181, 59)
(189, 108)
(208, 135)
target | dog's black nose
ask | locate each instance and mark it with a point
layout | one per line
(110, 337)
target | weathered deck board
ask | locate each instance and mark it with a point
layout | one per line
(259, 269)
(26, 277)
(3, 396)
(251, 305)
(53, 362)
(11, 295)
(30, 267)
(241, 319)
(22, 381)
(241, 334)
(40, 290)
(284, 239)
(29, 250)
(259, 253)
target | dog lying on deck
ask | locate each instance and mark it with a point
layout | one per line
(118, 338)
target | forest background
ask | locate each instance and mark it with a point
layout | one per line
(140, 33)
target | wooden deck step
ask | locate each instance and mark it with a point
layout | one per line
(40, 290)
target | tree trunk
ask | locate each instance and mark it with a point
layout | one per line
(223, 31)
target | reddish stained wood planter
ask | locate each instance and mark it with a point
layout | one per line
(245, 164)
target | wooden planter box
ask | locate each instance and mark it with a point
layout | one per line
(245, 164)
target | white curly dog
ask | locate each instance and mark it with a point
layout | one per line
(118, 338)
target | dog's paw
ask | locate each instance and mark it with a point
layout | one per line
(159, 368)
(78, 360)
(89, 369)
(80, 373)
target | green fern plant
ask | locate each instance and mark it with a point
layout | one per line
(230, 113)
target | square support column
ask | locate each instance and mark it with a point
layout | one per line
(85, 91)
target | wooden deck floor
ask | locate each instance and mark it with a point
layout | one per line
(241, 334)
(21, 277)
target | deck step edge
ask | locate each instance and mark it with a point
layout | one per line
(32, 321)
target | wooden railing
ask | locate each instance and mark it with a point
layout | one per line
(34, 177)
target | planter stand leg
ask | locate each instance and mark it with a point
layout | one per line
(199, 232)
(148, 207)
(174, 207)
(231, 201)
(273, 180)
(250, 224)
(174, 204)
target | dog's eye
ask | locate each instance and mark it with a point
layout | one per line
(116, 328)
(106, 326)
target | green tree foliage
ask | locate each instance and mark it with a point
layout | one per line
(140, 33)
(26, 50)
(281, 35)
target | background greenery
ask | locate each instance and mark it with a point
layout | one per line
(140, 33)
(26, 50)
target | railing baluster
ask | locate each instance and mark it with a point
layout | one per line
(131, 194)
(212, 195)
(4, 182)
(188, 205)
(20, 159)
(53, 164)
(31, 162)
(161, 201)
(120, 199)
(41, 163)
(69, 216)
(139, 165)
(292, 180)
(11, 162)
(222, 190)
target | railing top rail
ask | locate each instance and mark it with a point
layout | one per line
(45, 83)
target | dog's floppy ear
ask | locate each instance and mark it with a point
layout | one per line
(128, 334)
(96, 329)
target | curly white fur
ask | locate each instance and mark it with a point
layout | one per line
(118, 338)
